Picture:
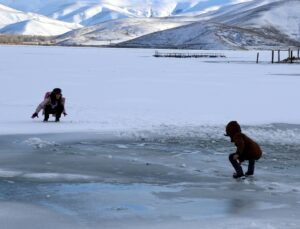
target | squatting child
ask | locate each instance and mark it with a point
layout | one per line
(247, 149)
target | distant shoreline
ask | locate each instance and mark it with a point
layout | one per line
(30, 40)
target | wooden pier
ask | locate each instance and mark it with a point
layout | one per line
(292, 56)
(188, 55)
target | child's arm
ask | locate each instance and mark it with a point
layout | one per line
(63, 102)
(239, 143)
(42, 105)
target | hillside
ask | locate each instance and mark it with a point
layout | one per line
(117, 31)
(280, 15)
(256, 24)
(215, 24)
(90, 12)
(203, 35)
(16, 22)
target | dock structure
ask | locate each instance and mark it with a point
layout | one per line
(291, 58)
(188, 55)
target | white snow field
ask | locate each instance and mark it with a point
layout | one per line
(113, 89)
(143, 145)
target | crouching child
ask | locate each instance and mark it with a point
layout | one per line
(54, 103)
(247, 149)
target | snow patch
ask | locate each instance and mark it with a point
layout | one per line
(276, 187)
(45, 176)
(39, 143)
(57, 176)
(120, 146)
(272, 133)
(9, 173)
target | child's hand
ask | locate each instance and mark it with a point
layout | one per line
(34, 115)
(236, 157)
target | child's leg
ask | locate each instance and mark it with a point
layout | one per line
(251, 167)
(236, 165)
(47, 112)
(58, 111)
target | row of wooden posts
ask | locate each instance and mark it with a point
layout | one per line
(188, 55)
(290, 59)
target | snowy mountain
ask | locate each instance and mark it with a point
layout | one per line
(257, 24)
(117, 31)
(16, 22)
(93, 12)
(40, 26)
(211, 36)
(9, 16)
(158, 23)
(90, 12)
(281, 15)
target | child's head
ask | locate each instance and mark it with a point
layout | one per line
(56, 93)
(232, 129)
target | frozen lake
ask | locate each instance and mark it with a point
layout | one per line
(125, 89)
(149, 180)
(142, 145)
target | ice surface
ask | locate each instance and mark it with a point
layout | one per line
(38, 143)
(124, 181)
(141, 92)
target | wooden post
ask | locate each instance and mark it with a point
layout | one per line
(257, 58)
(279, 56)
(291, 56)
(272, 56)
(289, 53)
(298, 54)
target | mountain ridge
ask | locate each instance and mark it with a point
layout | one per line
(78, 11)
(237, 24)
(17, 22)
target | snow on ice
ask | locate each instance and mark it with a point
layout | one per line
(117, 89)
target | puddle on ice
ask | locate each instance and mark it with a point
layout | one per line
(150, 181)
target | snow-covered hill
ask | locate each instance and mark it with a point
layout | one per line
(256, 24)
(9, 16)
(90, 12)
(282, 15)
(94, 12)
(209, 36)
(151, 23)
(117, 31)
(16, 22)
(40, 26)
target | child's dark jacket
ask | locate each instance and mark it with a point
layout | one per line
(247, 149)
